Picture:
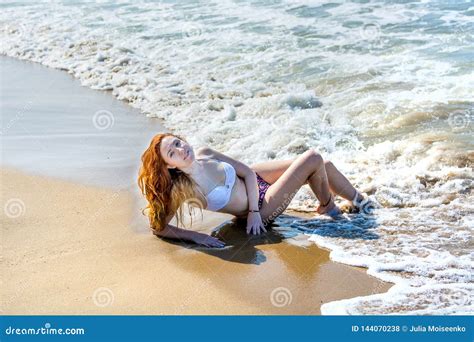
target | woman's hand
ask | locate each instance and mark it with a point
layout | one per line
(254, 223)
(207, 241)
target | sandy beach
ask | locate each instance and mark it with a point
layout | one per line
(71, 251)
(74, 240)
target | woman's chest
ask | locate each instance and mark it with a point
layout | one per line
(213, 175)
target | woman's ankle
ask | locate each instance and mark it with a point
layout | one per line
(357, 199)
(322, 209)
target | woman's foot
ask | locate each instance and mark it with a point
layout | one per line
(330, 209)
(359, 204)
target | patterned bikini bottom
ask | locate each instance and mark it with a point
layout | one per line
(262, 189)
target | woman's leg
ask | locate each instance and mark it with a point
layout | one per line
(339, 184)
(307, 168)
(271, 171)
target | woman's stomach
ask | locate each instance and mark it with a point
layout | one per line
(238, 203)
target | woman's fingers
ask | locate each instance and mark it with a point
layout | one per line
(219, 243)
(256, 229)
(213, 242)
(216, 243)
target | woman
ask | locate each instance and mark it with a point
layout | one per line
(172, 173)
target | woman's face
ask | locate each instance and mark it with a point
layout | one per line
(176, 152)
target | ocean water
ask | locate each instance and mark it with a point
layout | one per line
(384, 89)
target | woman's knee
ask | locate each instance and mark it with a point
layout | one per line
(312, 158)
(329, 165)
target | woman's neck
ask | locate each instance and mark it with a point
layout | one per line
(194, 170)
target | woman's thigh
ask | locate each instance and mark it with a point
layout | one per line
(280, 193)
(270, 171)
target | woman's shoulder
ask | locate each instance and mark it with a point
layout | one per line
(204, 153)
(208, 153)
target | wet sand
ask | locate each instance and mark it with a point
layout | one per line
(74, 241)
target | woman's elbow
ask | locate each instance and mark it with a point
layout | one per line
(249, 173)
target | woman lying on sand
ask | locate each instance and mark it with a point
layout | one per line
(172, 173)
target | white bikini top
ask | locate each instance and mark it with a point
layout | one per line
(220, 195)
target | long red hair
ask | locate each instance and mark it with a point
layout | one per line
(165, 189)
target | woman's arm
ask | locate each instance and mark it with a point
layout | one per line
(242, 171)
(173, 232)
(254, 220)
